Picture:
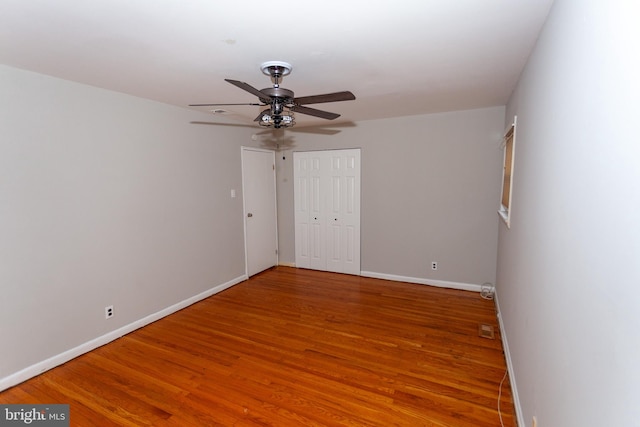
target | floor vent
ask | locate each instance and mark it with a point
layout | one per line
(486, 331)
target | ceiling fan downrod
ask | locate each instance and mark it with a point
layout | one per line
(277, 70)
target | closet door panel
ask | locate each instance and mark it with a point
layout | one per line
(302, 205)
(350, 213)
(317, 239)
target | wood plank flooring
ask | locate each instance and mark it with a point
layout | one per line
(294, 347)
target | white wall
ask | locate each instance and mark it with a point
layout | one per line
(569, 267)
(105, 199)
(430, 187)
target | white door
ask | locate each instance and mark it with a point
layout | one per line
(343, 211)
(317, 211)
(259, 190)
(327, 210)
(302, 206)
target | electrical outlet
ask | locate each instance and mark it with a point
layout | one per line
(108, 312)
(534, 423)
(434, 265)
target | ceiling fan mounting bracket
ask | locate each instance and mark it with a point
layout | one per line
(276, 69)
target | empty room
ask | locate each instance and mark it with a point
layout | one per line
(412, 213)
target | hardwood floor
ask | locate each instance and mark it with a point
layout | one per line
(293, 347)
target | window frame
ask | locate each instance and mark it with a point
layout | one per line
(506, 193)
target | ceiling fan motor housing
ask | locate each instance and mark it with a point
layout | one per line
(285, 95)
(278, 98)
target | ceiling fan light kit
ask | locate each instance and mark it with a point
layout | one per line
(280, 121)
(282, 102)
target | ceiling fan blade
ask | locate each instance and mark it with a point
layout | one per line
(327, 97)
(314, 112)
(248, 88)
(217, 105)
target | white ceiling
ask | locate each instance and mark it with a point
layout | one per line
(399, 57)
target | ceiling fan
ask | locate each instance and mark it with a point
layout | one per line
(282, 102)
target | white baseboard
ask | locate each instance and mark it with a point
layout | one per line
(439, 283)
(507, 355)
(59, 359)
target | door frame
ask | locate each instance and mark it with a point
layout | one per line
(244, 149)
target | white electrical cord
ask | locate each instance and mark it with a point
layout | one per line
(500, 397)
(487, 291)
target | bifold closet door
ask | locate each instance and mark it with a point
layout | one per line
(309, 207)
(327, 210)
(343, 211)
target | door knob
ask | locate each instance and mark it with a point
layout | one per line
(249, 214)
